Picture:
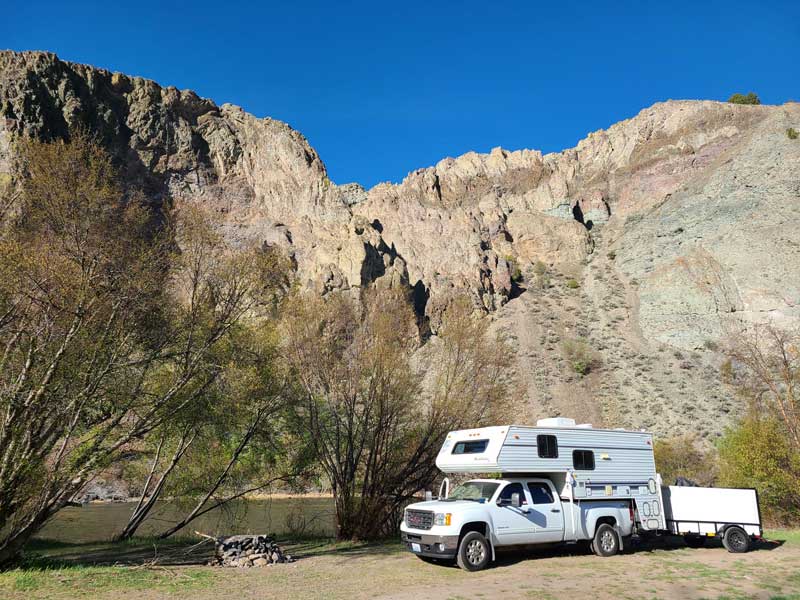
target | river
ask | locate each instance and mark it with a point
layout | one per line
(295, 516)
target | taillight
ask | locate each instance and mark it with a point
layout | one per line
(630, 511)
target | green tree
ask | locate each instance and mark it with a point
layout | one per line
(105, 334)
(765, 371)
(683, 456)
(759, 453)
(749, 98)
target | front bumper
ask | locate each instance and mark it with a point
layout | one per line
(433, 546)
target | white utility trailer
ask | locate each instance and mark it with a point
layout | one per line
(699, 513)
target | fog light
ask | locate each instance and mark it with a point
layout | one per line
(441, 547)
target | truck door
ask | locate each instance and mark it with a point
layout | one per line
(546, 512)
(511, 523)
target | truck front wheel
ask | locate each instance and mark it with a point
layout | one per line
(474, 552)
(606, 542)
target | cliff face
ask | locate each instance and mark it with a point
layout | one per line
(643, 244)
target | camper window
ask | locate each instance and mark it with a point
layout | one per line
(548, 446)
(583, 460)
(471, 447)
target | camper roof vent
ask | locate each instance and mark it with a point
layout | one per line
(556, 422)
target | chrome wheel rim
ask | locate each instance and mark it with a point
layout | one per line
(475, 552)
(607, 541)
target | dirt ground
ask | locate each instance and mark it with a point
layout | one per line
(325, 570)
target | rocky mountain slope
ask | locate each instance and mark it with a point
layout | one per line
(635, 251)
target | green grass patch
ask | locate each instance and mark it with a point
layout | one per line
(788, 536)
(86, 581)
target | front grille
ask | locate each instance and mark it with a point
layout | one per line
(419, 519)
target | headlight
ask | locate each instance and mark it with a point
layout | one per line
(442, 518)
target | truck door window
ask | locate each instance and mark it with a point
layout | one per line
(471, 447)
(548, 446)
(583, 460)
(540, 493)
(513, 488)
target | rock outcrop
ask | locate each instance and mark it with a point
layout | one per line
(645, 243)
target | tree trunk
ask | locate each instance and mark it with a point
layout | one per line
(11, 546)
(144, 506)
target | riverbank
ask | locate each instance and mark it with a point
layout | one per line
(324, 569)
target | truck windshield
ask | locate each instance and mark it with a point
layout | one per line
(479, 491)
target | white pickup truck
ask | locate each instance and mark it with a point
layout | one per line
(483, 514)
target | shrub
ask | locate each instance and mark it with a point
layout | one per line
(758, 453)
(572, 284)
(580, 356)
(681, 456)
(539, 268)
(749, 98)
(612, 255)
(792, 134)
(513, 268)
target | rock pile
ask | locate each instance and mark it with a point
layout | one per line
(248, 551)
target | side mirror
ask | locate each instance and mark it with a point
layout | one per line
(515, 501)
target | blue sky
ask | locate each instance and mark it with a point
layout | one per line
(381, 88)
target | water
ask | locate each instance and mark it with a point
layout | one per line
(295, 517)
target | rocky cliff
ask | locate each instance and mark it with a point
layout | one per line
(635, 251)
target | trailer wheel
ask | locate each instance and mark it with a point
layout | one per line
(694, 541)
(736, 539)
(474, 552)
(606, 542)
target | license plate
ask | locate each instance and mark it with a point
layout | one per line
(416, 548)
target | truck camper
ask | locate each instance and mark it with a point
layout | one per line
(561, 482)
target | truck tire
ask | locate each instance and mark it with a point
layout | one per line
(474, 552)
(606, 541)
(695, 541)
(736, 539)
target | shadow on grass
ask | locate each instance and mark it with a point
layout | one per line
(327, 547)
(41, 554)
(48, 554)
(512, 555)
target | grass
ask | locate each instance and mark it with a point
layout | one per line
(349, 570)
(57, 569)
(788, 536)
(76, 581)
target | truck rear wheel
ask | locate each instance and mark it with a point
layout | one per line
(606, 541)
(736, 540)
(474, 552)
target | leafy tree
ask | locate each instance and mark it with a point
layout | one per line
(765, 370)
(759, 453)
(749, 98)
(682, 456)
(374, 422)
(105, 334)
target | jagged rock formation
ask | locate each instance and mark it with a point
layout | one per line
(645, 242)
